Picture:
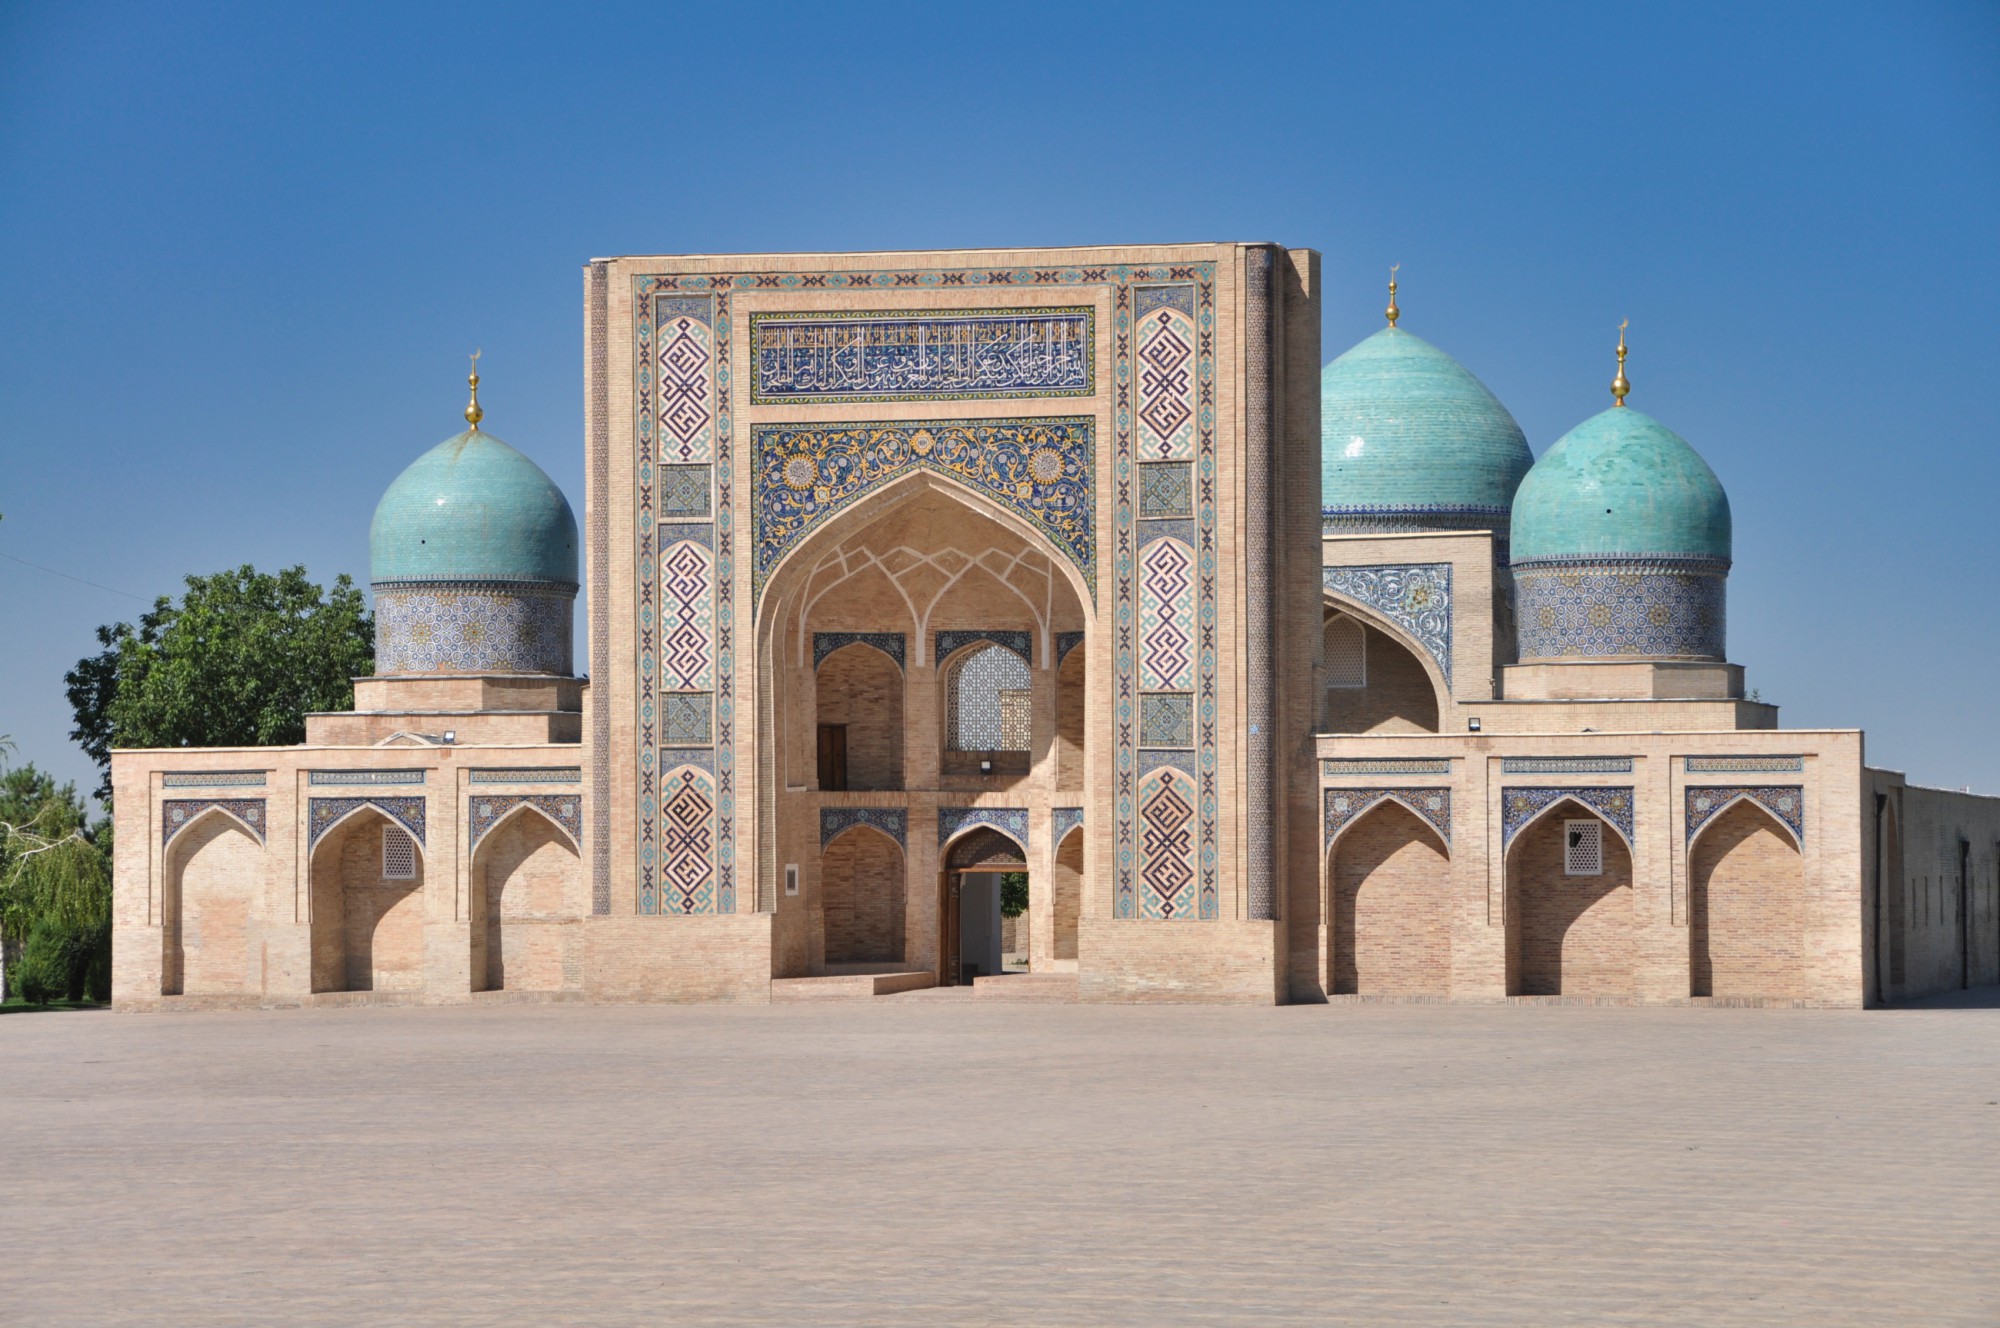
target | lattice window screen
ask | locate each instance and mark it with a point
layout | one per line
(982, 718)
(1346, 653)
(1583, 848)
(399, 854)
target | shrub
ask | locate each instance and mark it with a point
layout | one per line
(64, 961)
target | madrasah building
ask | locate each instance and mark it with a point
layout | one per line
(1280, 681)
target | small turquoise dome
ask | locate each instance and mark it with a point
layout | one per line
(473, 509)
(1621, 485)
(1407, 431)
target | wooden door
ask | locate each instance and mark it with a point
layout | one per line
(832, 758)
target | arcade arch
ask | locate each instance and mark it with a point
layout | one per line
(1389, 906)
(863, 893)
(1373, 681)
(367, 918)
(1746, 906)
(1569, 932)
(526, 894)
(211, 908)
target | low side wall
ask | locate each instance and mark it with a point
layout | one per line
(725, 958)
(1169, 962)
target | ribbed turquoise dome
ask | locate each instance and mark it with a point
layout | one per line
(473, 509)
(1405, 428)
(1621, 485)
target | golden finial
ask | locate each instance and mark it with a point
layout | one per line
(473, 414)
(1620, 385)
(1393, 312)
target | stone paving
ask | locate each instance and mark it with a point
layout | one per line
(962, 1163)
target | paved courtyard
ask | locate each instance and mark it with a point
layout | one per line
(962, 1163)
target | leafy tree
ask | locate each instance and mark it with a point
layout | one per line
(55, 889)
(1013, 894)
(239, 662)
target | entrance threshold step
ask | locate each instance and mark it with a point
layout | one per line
(847, 986)
(1046, 988)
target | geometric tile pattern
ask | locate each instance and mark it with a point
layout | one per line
(687, 573)
(1166, 378)
(687, 718)
(1786, 802)
(1134, 290)
(946, 644)
(1041, 468)
(687, 883)
(1166, 719)
(1167, 871)
(324, 813)
(1386, 765)
(1565, 765)
(1744, 765)
(488, 810)
(1166, 489)
(1414, 596)
(889, 643)
(1345, 806)
(687, 407)
(553, 774)
(178, 814)
(1518, 806)
(893, 355)
(323, 778)
(1009, 821)
(1064, 820)
(684, 491)
(986, 702)
(891, 821)
(1166, 617)
(213, 779)
(1608, 609)
(468, 627)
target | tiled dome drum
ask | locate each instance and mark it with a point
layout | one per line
(1621, 546)
(1410, 440)
(473, 559)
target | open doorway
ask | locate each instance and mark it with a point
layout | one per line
(973, 895)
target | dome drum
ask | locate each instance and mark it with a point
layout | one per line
(472, 627)
(1665, 608)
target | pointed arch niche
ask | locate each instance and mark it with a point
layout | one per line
(1569, 933)
(367, 916)
(526, 892)
(1746, 905)
(212, 902)
(1375, 679)
(1388, 902)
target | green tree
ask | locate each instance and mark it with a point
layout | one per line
(238, 662)
(55, 889)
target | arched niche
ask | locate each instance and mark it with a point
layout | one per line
(526, 890)
(1376, 679)
(1746, 906)
(1388, 906)
(367, 926)
(211, 896)
(1569, 934)
(1066, 895)
(863, 897)
(859, 714)
(1071, 725)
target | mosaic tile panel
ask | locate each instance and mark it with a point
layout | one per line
(946, 644)
(687, 408)
(322, 814)
(1565, 765)
(1065, 819)
(555, 774)
(212, 779)
(927, 355)
(178, 814)
(1041, 469)
(1154, 758)
(1066, 642)
(1385, 765)
(687, 618)
(1166, 719)
(488, 810)
(684, 491)
(1166, 489)
(1519, 806)
(1345, 806)
(1606, 610)
(1168, 865)
(1787, 802)
(891, 821)
(688, 868)
(1166, 372)
(1414, 596)
(989, 707)
(1166, 617)
(889, 643)
(1744, 765)
(327, 778)
(472, 627)
(687, 718)
(1009, 821)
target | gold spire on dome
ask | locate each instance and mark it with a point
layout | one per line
(1621, 385)
(1393, 312)
(473, 414)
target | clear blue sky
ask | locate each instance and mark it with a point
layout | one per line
(244, 250)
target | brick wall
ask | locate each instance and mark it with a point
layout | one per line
(1568, 935)
(1068, 894)
(1069, 721)
(1746, 915)
(862, 889)
(863, 689)
(1391, 907)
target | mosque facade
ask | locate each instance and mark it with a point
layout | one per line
(1280, 681)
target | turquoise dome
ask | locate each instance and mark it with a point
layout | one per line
(1407, 431)
(1621, 485)
(473, 509)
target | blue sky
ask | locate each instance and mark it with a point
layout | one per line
(244, 250)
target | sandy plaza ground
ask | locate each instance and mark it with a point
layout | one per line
(964, 1163)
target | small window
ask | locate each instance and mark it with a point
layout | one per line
(399, 854)
(791, 878)
(1346, 653)
(990, 703)
(1583, 848)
